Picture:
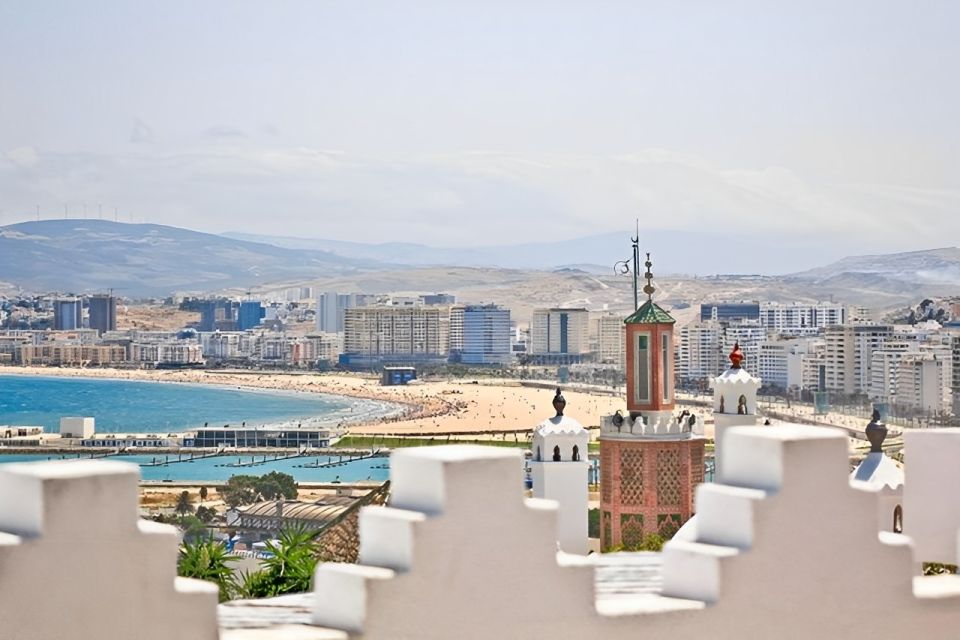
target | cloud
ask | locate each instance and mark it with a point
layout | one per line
(224, 131)
(24, 157)
(482, 198)
(141, 133)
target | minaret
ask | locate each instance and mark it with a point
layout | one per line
(560, 471)
(650, 460)
(882, 475)
(734, 402)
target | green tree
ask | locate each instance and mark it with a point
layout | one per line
(279, 484)
(243, 489)
(240, 490)
(209, 560)
(206, 515)
(184, 504)
(288, 569)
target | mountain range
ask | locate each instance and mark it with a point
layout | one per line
(147, 259)
(154, 260)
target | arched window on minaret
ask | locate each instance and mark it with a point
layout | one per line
(898, 519)
(538, 453)
(556, 453)
(576, 453)
(742, 406)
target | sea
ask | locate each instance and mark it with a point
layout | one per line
(127, 406)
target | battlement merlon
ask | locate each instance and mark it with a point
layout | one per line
(660, 425)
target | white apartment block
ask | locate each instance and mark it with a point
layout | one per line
(921, 383)
(782, 363)
(167, 352)
(457, 312)
(611, 334)
(885, 370)
(560, 331)
(848, 355)
(749, 334)
(397, 330)
(800, 319)
(955, 377)
(699, 350)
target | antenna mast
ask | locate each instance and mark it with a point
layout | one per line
(636, 266)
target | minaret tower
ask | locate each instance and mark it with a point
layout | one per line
(650, 460)
(560, 471)
(734, 402)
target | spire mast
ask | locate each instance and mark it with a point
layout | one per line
(636, 267)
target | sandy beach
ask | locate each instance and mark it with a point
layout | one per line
(430, 407)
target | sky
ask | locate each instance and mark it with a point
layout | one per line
(823, 124)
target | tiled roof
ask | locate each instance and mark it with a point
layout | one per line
(650, 313)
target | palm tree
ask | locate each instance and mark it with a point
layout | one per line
(203, 494)
(209, 560)
(184, 504)
(290, 567)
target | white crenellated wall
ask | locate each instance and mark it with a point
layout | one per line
(76, 562)
(788, 548)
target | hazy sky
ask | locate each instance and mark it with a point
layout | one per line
(463, 123)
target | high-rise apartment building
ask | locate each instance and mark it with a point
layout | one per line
(103, 312)
(217, 315)
(700, 351)
(250, 314)
(702, 346)
(800, 319)
(848, 355)
(438, 298)
(955, 377)
(560, 335)
(729, 311)
(611, 333)
(331, 310)
(780, 363)
(67, 314)
(920, 383)
(486, 335)
(374, 336)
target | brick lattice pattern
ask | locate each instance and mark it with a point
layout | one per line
(631, 476)
(668, 477)
(606, 464)
(631, 530)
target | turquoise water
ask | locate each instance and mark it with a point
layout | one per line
(146, 407)
(213, 469)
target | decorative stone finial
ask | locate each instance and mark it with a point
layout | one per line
(559, 402)
(736, 356)
(648, 288)
(876, 432)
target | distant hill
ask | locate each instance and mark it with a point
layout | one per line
(930, 267)
(674, 252)
(148, 259)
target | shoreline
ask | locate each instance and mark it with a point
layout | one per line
(432, 407)
(375, 408)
